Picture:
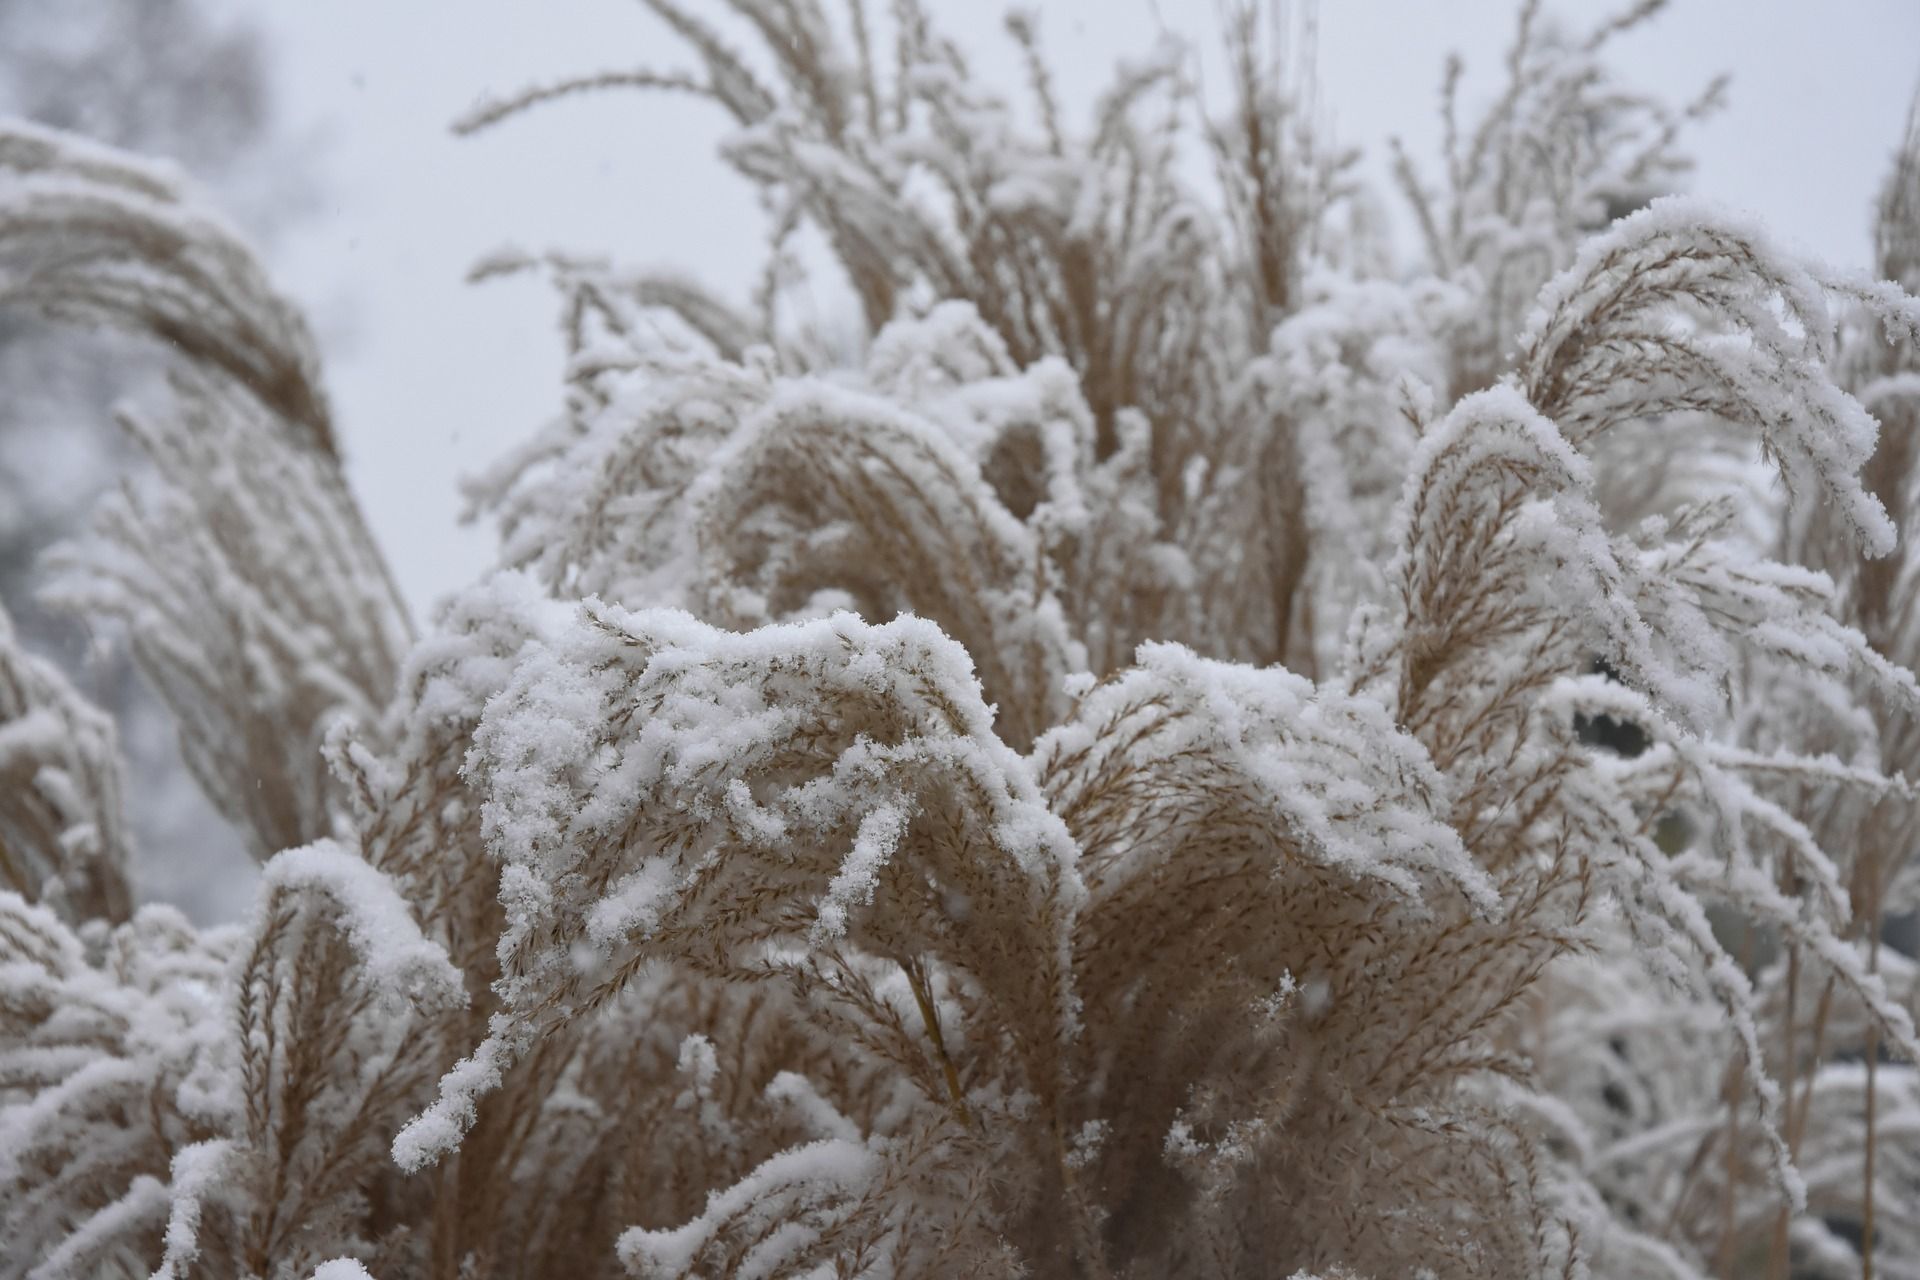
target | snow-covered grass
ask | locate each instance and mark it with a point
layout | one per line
(1189, 750)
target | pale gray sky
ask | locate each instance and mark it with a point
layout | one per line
(433, 378)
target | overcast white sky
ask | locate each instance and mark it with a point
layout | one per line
(432, 378)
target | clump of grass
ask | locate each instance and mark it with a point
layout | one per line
(1103, 781)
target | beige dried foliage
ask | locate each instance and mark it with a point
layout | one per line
(865, 828)
(63, 835)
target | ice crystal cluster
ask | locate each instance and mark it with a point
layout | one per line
(1193, 748)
